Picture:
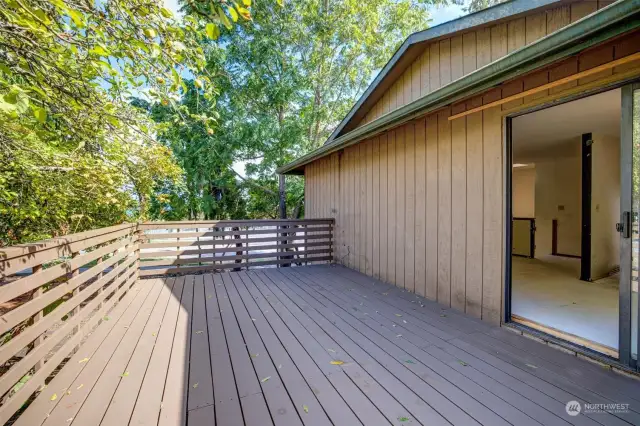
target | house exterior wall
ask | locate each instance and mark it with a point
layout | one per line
(448, 59)
(422, 206)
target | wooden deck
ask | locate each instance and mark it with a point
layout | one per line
(316, 345)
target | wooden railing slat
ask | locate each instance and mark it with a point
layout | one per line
(155, 254)
(14, 317)
(187, 261)
(230, 223)
(188, 269)
(19, 263)
(41, 277)
(24, 338)
(18, 370)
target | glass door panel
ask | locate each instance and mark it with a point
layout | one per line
(635, 213)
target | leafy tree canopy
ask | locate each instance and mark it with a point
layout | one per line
(74, 153)
(285, 80)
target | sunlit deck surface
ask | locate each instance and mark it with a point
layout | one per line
(315, 345)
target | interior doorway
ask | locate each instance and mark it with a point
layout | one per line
(566, 194)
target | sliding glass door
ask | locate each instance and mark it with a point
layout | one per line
(629, 226)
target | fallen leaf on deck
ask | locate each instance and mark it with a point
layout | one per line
(69, 392)
(54, 396)
(403, 419)
(125, 374)
(80, 387)
(253, 319)
(279, 366)
(70, 420)
(398, 335)
(195, 385)
(106, 318)
(153, 334)
(531, 365)
(305, 408)
(199, 332)
(398, 315)
(464, 364)
(404, 321)
(443, 315)
(265, 379)
(337, 362)
(208, 296)
(254, 355)
(83, 360)
(331, 350)
(409, 361)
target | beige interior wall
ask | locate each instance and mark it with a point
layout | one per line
(558, 196)
(605, 205)
(448, 59)
(524, 191)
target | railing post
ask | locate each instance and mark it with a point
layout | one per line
(37, 317)
(178, 248)
(331, 229)
(99, 261)
(238, 253)
(74, 273)
(137, 241)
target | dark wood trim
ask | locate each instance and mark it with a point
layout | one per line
(585, 246)
(508, 138)
(573, 256)
(554, 237)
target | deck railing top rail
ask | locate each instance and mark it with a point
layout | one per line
(53, 293)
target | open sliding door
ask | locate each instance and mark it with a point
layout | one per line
(630, 208)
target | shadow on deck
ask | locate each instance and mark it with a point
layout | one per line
(316, 345)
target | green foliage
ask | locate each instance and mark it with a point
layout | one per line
(477, 5)
(73, 153)
(288, 78)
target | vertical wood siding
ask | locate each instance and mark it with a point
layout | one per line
(422, 205)
(446, 60)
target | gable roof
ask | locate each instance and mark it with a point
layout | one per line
(414, 44)
(616, 19)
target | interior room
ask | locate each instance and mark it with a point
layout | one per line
(565, 275)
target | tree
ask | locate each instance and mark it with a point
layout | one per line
(73, 153)
(477, 5)
(291, 75)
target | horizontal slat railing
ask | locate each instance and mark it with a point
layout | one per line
(52, 294)
(192, 247)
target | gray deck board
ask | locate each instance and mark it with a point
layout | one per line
(227, 410)
(364, 409)
(446, 373)
(252, 401)
(436, 357)
(282, 409)
(328, 398)
(406, 360)
(393, 342)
